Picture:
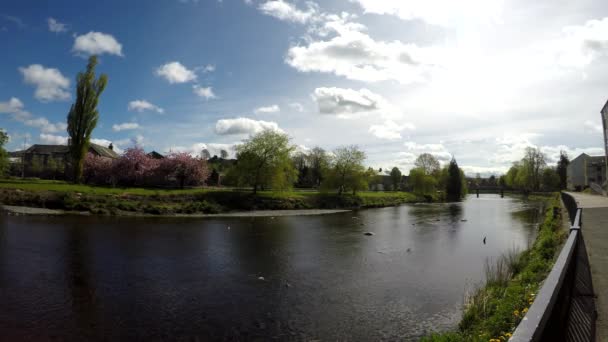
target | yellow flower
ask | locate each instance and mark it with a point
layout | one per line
(516, 313)
(524, 310)
(508, 334)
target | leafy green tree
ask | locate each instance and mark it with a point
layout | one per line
(511, 176)
(454, 187)
(319, 162)
(264, 160)
(395, 178)
(347, 171)
(83, 115)
(427, 163)
(421, 183)
(4, 164)
(550, 180)
(562, 169)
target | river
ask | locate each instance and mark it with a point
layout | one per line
(264, 278)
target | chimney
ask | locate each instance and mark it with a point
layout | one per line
(111, 147)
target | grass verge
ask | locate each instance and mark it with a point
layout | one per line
(115, 201)
(493, 311)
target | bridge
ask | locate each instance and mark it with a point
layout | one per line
(572, 304)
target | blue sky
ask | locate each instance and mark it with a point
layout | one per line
(480, 81)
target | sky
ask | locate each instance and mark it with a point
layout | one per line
(478, 80)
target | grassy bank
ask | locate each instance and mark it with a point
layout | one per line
(116, 201)
(493, 311)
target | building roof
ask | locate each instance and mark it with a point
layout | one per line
(104, 151)
(155, 155)
(47, 149)
(64, 149)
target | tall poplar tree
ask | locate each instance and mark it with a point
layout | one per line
(83, 115)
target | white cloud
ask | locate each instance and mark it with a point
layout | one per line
(56, 26)
(346, 101)
(244, 126)
(297, 106)
(12, 106)
(204, 92)
(196, 149)
(268, 109)
(582, 44)
(437, 12)
(175, 72)
(50, 84)
(355, 55)
(97, 43)
(209, 68)
(389, 130)
(50, 139)
(125, 126)
(438, 150)
(143, 105)
(286, 11)
(15, 108)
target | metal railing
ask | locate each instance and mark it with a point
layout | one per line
(564, 309)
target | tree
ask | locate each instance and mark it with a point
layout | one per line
(533, 163)
(36, 166)
(319, 162)
(395, 178)
(427, 163)
(83, 115)
(186, 169)
(223, 154)
(4, 165)
(562, 169)
(422, 183)
(205, 154)
(550, 180)
(347, 170)
(454, 187)
(264, 160)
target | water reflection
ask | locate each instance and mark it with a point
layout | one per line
(118, 278)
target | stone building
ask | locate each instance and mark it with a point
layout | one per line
(586, 170)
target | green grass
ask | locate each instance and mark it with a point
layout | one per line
(108, 200)
(493, 311)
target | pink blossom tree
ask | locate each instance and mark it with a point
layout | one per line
(134, 167)
(185, 169)
(97, 170)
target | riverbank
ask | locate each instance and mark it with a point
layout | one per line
(65, 197)
(493, 311)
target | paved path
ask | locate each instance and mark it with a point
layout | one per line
(595, 233)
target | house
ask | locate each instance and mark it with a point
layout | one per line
(585, 170)
(37, 157)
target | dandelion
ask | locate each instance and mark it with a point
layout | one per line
(508, 334)
(524, 310)
(516, 313)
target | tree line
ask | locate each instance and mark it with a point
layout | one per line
(532, 173)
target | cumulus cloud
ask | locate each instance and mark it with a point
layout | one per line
(389, 130)
(125, 126)
(286, 11)
(438, 150)
(143, 105)
(267, 109)
(353, 54)
(175, 72)
(244, 126)
(50, 84)
(582, 44)
(97, 43)
(12, 106)
(437, 12)
(204, 92)
(196, 149)
(56, 26)
(50, 139)
(15, 108)
(346, 101)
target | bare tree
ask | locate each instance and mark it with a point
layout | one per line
(427, 163)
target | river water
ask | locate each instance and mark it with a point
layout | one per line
(283, 278)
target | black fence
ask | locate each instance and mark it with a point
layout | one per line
(564, 309)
